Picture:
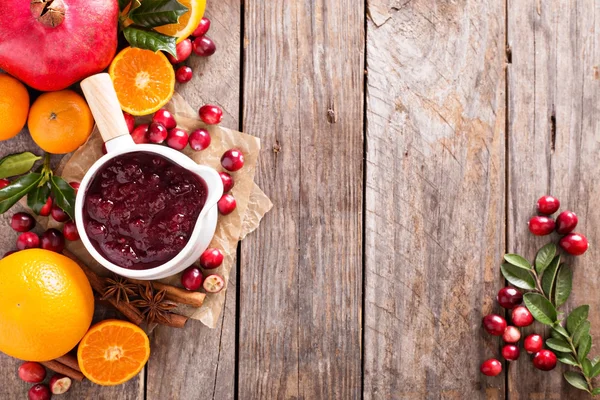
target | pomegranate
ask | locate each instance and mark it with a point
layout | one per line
(51, 44)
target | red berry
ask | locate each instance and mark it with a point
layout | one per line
(211, 258)
(32, 372)
(75, 185)
(8, 253)
(566, 222)
(28, 240)
(177, 139)
(511, 334)
(210, 114)
(509, 297)
(199, 139)
(183, 51)
(4, 183)
(46, 208)
(494, 324)
(574, 243)
(22, 222)
(227, 181)
(232, 160)
(544, 360)
(541, 226)
(202, 28)
(58, 214)
(183, 74)
(70, 231)
(140, 134)
(213, 283)
(130, 121)
(521, 316)
(60, 384)
(511, 352)
(548, 205)
(491, 367)
(39, 392)
(53, 240)
(533, 343)
(226, 204)
(165, 118)
(204, 46)
(192, 278)
(157, 133)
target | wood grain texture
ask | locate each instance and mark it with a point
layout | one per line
(554, 141)
(434, 197)
(300, 302)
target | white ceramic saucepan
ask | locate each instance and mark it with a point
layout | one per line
(103, 102)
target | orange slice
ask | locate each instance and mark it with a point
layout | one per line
(112, 352)
(144, 80)
(187, 23)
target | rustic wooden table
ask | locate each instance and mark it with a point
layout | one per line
(404, 146)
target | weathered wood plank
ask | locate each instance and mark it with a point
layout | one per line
(300, 304)
(434, 197)
(553, 147)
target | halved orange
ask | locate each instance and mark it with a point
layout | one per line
(144, 80)
(113, 352)
(187, 23)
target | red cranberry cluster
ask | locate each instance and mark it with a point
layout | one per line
(33, 372)
(511, 298)
(193, 278)
(540, 225)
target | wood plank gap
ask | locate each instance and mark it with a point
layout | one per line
(506, 166)
(364, 211)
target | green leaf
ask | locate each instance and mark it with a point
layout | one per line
(519, 277)
(150, 40)
(586, 365)
(576, 318)
(559, 328)
(567, 359)
(584, 347)
(19, 188)
(576, 380)
(596, 391)
(544, 257)
(540, 308)
(564, 283)
(64, 195)
(17, 164)
(558, 345)
(37, 197)
(550, 276)
(595, 370)
(582, 331)
(153, 13)
(517, 261)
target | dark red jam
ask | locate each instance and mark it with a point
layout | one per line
(141, 209)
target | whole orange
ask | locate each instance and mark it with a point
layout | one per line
(60, 122)
(46, 305)
(14, 106)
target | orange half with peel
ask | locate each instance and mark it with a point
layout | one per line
(187, 23)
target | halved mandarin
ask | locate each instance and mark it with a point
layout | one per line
(144, 80)
(187, 23)
(112, 352)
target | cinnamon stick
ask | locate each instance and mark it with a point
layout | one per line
(70, 361)
(176, 294)
(61, 368)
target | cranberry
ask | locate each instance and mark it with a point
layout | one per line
(203, 46)
(75, 185)
(192, 278)
(53, 240)
(202, 28)
(544, 360)
(511, 334)
(70, 231)
(130, 121)
(39, 392)
(165, 118)
(8, 253)
(58, 214)
(183, 51)
(494, 324)
(60, 384)
(541, 226)
(177, 139)
(32, 372)
(211, 258)
(22, 222)
(183, 74)
(533, 343)
(521, 316)
(232, 160)
(46, 208)
(511, 352)
(509, 297)
(210, 114)
(566, 222)
(574, 243)
(548, 205)
(199, 139)
(157, 133)
(226, 204)
(491, 367)
(140, 134)
(213, 283)
(4, 183)
(28, 240)
(227, 181)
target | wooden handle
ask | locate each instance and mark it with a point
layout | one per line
(102, 99)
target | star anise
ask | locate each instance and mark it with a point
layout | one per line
(152, 304)
(118, 288)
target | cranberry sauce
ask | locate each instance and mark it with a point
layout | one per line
(141, 209)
